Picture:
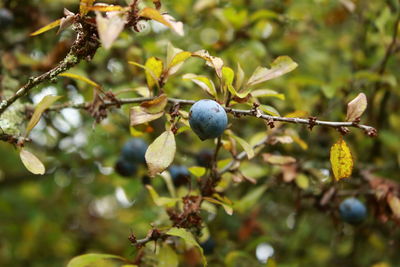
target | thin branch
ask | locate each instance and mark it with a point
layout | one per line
(84, 47)
(371, 131)
(13, 139)
(241, 156)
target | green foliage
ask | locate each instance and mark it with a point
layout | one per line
(271, 184)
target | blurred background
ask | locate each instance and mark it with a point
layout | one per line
(82, 205)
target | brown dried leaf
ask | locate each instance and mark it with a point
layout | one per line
(155, 105)
(110, 26)
(214, 62)
(356, 107)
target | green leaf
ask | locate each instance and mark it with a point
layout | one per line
(167, 257)
(153, 68)
(161, 201)
(267, 93)
(239, 76)
(31, 162)
(197, 171)
(227, 207)
(269, 110)
(279, 67)
(206, 84)
(227, 79)
(44, 104)
(160, 153)
(302, 181)
(246, 146)
(250, 199)
(87, 260)
(189, 239)
(175, 58)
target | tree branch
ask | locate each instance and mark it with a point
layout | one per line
(370, 131)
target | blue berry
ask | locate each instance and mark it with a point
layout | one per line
(180, 174)
(204, 158)
(6, 18)
(208, 246)
(207, 119)
(352, 211)
(134, 150)
(125, 168)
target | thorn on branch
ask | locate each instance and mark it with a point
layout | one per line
(271, 123)
(371, 132)
(311, 122)
(343, 130)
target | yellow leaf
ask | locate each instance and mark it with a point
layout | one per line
(154, 69)
(47, 27)
(84, 6)
(107, 8)
(179, 58)
(197, 171)
(394, 204)
(80, 78)
(341, 160)
(31, 162)
(91, 258)
(154, 14)
(44, 104)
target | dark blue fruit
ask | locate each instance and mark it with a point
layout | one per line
(208, 246)
(352, 211)
(180, 174)
(204, 158)
(134, 150)
(207, 119)
(6, 18)
(125, 168)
